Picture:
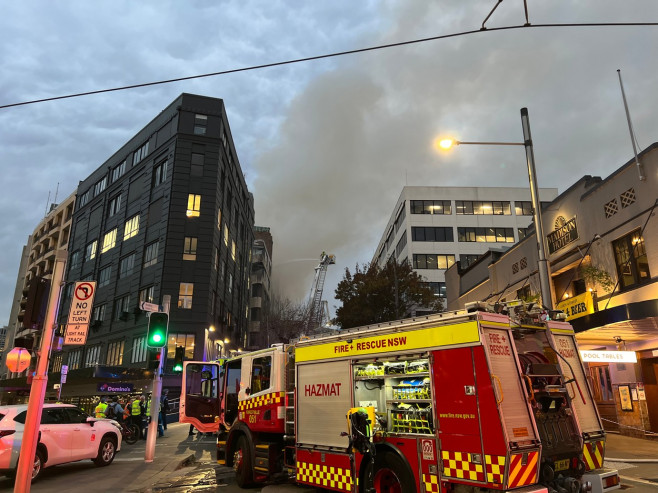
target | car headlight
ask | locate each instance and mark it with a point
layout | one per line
(115, 424)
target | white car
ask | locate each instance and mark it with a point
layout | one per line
(66, 434)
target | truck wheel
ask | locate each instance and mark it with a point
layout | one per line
(242, 463)
(390, 474)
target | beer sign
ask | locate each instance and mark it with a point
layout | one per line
(82, 303)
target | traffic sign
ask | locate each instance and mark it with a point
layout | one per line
(149, 307)
(18, 359)
(80, 313)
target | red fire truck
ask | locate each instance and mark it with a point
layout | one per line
(468, 401)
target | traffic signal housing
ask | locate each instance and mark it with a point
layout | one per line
(153, 359)
(157, 332)
(178, 359)
(34, 303)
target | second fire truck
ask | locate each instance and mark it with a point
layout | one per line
(468, 402)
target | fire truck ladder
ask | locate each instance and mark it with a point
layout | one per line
(289, 451)
(315, 299)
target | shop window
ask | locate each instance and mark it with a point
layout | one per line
(631, 260)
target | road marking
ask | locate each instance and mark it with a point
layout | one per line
(637, 480)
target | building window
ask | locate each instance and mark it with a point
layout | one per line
(160, 172)
(466, 260)
(98, 313)
(400, 219)
(139, 350)
(189, 248)
(200, 122)
(90, 251)
(478, 207)
(151, 254)
(132, 227)
(183, 340)
(109, 240)
(627, 198)
(438, 288)
(140, 153)
(401, 244)
(631, 260)
(92, 358)
(74, 360)
(610, 208)
(100, 186)
(196, 165)
(57, 363)
(255, 314)
(75, 259)
(185, 293)
(114, 206)
(233, 250)
(523, 208)
(215, 263)
(121, 308)
(193, 205)
(219, 219)
(226, 234)
(523, 293)
(84, 198)
(126, 265)
(115, 353)
(229, 284)
(430, 207)
(433, 261)
(104, 276)
(486, 235)
(118, 171)
(147, 295)
(439, 234)
(523, 232)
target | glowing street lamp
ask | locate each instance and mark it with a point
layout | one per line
(544, 273)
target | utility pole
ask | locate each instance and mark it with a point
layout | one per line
(39, 383)
(156, 392)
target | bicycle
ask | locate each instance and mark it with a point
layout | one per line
(129, 432)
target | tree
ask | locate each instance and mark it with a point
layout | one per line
(373, 294)
(286, 320)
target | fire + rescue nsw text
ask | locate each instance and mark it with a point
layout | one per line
(372, 344)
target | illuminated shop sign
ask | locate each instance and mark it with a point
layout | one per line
(609, 356)
(577, 306)
(565, 232)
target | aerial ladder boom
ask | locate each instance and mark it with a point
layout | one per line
(315, 299)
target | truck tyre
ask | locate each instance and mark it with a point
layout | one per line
(390, 474)
(242, 463)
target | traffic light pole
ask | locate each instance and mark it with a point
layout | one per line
(39, 384)
(149, 453)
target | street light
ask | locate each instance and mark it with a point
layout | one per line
(543, 267)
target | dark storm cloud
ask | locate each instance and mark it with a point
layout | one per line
(326, 146)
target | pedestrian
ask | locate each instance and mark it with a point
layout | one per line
(126, 411)
(150, 410)
(143, 418)
(99, 412)
(164, 401)
(114, 410)
(136, 415)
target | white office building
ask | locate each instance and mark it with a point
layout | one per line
(434, 227)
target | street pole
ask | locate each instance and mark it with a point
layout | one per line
(39, 383)
(149, 453)
(543, 267)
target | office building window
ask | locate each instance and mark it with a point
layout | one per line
(114, 206)
(74, 359)
(523, 232)
(139, 350)
(132, 227)
(100, 186)
(115, 353)
(200, 122)
(151, 254)
(193, 205)
(439, 234)
(160, 172)
(121, 308)
(438, 288)
(478, 207)
(523, 208)
(432, 261)
(631, 260)
(430, 207)
(486, 235)
(183, 340)
(400, 219)
(147, 294)
(90, 250)
(401, 244)
(466, 260)
(104, 276)
(118, 171)
(185, 293)
(92, 358)
(141, 153)
(109, 240)
(126, 265)
(196, 164)
(189, 248)
(98, 313)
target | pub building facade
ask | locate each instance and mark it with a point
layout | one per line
(601, 240)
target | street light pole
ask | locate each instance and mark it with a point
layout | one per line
(545, 284)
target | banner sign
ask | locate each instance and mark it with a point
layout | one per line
(577, 306)
(565, 232)
(115, 387)
(609, 356)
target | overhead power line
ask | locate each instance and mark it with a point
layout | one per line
(328, 55)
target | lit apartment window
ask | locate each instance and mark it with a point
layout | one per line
(104, 276)
(185, 295)
(182, 340)
(115, 353)
(139, 350)
(132, 227)
(90, 250)
(114, 206)
(57, 363)
(233, 249)
(118, 171)
(140, 153)
(151, 254)
(189, 248)
(631, 260)
(226, 234)
(193, 205)
(109, 240)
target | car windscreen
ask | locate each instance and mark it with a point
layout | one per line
(1, 416)
(20, 417)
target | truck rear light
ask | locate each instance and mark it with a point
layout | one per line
(611, 481)
(4, 433)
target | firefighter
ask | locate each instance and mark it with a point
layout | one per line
(99, 412)
(136, 414)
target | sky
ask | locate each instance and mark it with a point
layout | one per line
(327, 145)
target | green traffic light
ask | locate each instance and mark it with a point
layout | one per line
(156, 337)
(178, 368)
(157, 329)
